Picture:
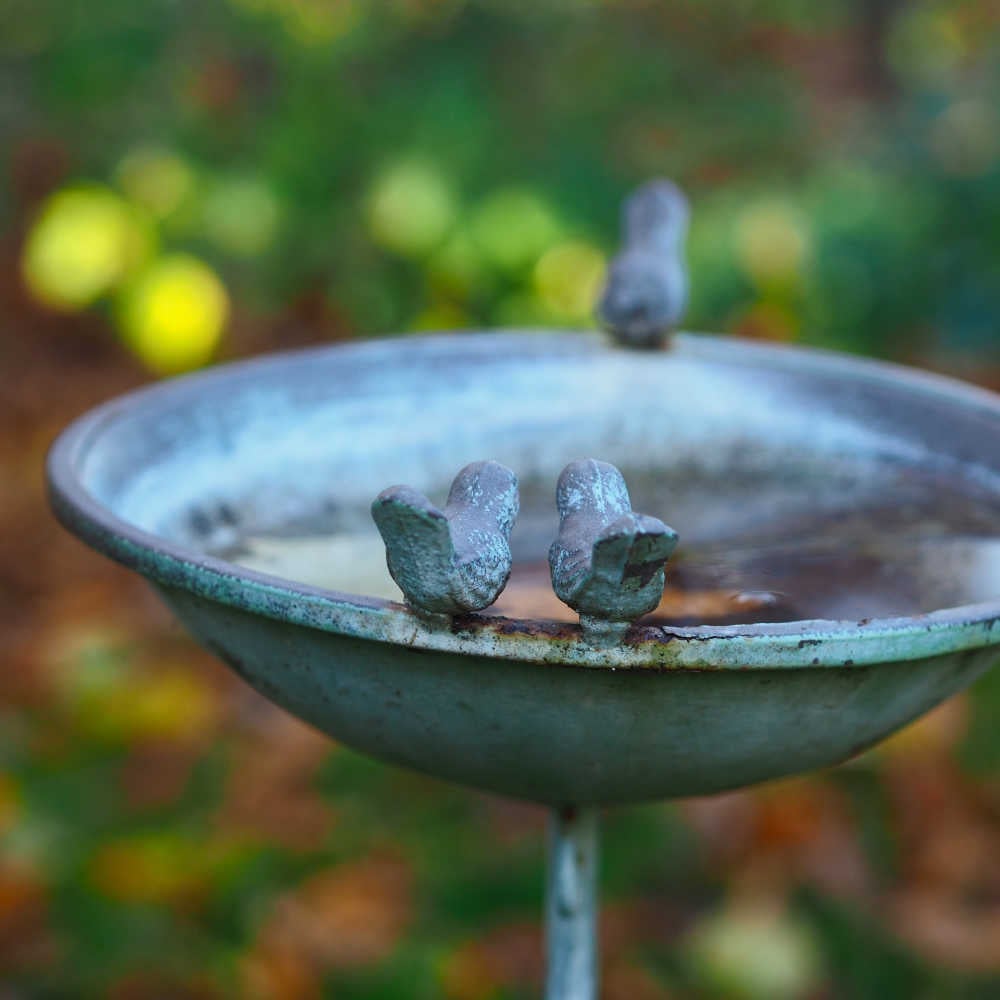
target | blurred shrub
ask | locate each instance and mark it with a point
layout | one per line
(411, 163)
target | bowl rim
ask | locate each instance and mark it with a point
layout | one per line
(804, 643)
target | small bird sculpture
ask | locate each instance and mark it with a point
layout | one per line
(647, 286)
(453, 560)
(608, 561)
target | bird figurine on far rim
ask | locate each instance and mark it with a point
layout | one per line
(646, 290)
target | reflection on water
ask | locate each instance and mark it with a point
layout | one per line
(924, 551)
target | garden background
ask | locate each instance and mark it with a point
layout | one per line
(185, 181)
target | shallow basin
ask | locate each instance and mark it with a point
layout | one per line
(838, 571)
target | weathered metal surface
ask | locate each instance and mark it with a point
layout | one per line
(554, 733)
(529, 707)
(457, 559)
(608, 561)
(721, 434)
(647, 285)
(571, 905)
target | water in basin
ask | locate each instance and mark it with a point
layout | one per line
(920, 545)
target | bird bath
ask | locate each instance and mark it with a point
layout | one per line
(838, 572)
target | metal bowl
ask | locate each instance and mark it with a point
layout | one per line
(774, 454)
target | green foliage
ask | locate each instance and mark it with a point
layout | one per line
(410, 163)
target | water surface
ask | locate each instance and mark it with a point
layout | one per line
(919, 546)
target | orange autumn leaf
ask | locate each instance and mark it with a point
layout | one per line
(949, 929)
(351, 916)
(508, 957)
(271, 793)
(163, 868)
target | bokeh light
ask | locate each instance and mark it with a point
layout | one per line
(157, 179)
(514, 227)
(84, 241)
(174, 314)
(750, 951)
(773, 243)
(240, 215)
(410, 208)
(568, 279)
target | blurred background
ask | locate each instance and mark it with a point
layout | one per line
(187, 181)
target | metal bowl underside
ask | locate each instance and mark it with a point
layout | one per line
(732, 443)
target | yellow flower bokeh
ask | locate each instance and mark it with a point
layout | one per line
(174, 314)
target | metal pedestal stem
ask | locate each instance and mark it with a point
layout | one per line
(571, 905)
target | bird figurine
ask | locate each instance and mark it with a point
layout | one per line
(608, 561)
(646, 290)
(453, 560)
